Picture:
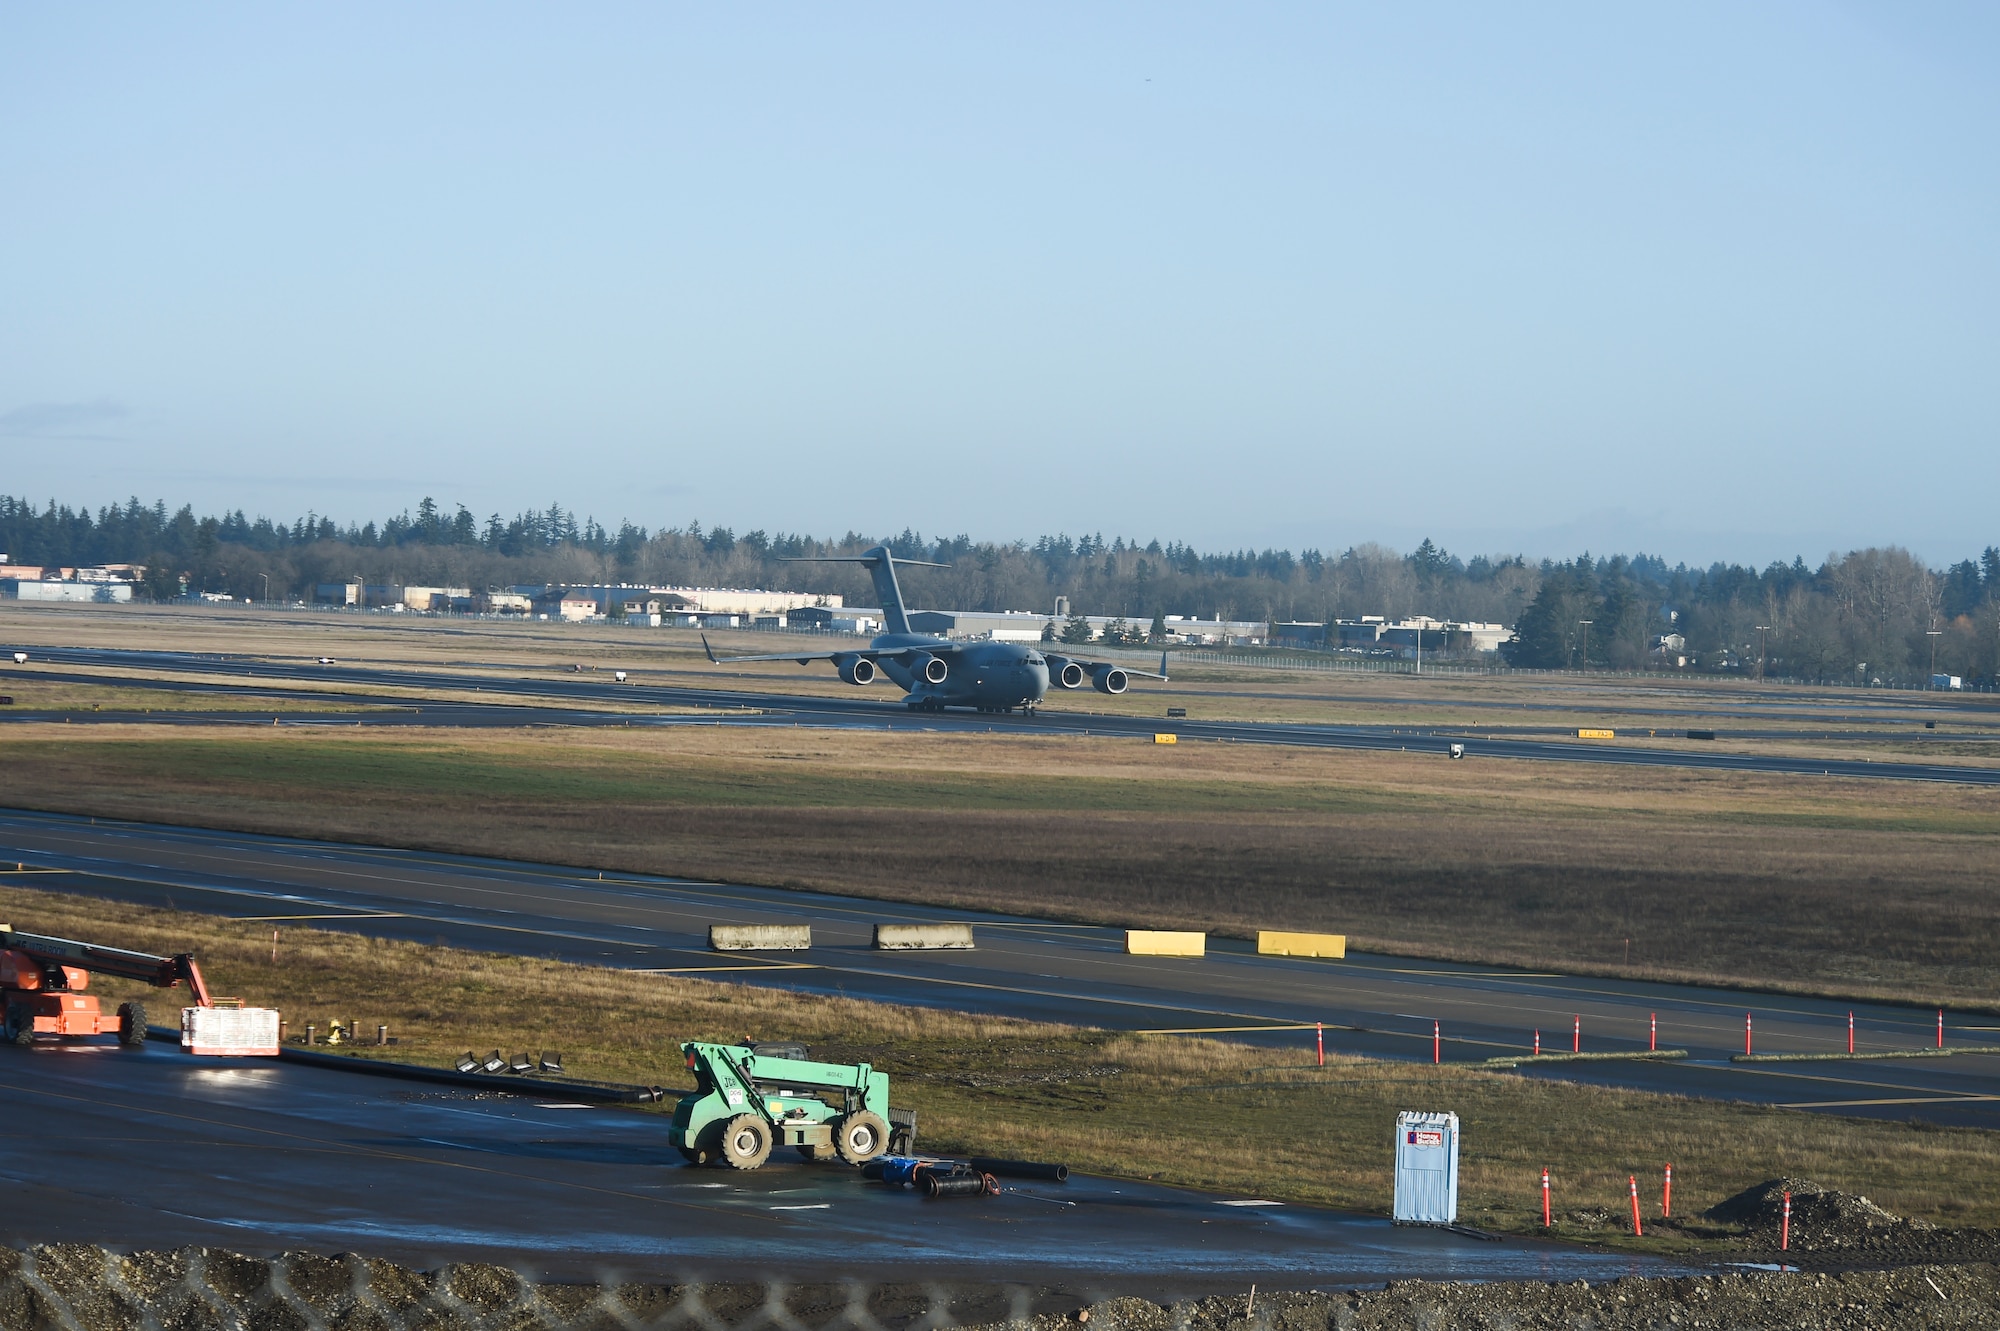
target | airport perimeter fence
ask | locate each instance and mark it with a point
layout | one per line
(1259, 660)
(77, 1287)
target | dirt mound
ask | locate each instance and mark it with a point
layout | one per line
(1822, 1217)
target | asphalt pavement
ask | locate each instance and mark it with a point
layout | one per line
(574, 695)
(152, 1148)
(1368, 1004)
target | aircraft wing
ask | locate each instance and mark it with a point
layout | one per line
(807, 658)
(1093, 667)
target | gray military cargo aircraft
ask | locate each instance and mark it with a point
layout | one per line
(938, 673)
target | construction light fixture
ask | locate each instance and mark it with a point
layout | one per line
(468, 1062)
(521, 1063)
(552, 1060)
(495, 1062)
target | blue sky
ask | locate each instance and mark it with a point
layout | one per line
(1715, 281)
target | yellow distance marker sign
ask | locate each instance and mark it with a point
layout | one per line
(1597, 734)
(1166, 739)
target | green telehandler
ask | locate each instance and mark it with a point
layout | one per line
(749, 1098)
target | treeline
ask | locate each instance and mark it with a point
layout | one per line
(235, 555)
(1870, 614)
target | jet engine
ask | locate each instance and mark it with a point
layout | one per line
(1065, 674)
(856, 669)
(1110, 680)
(933, 670)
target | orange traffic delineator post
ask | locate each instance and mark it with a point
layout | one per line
(1545, 1199)
(1576, 1035)
(1667, 1195)
(1437, 1043)
(1319, 1040)
(1538, 1042)
(1850, 1032)
(1653, 1037)
(1633, 1181)
(1746, 1033)
(1785, 1226)
(1940, 1028)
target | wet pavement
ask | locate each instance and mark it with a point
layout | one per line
(151, 1148)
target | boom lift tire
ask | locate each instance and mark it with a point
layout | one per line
(746, 1142)
(132, 1024)
(815, 1154)
(696, 1155)
(859, 1138)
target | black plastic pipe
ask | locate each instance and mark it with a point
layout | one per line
(610, 1093)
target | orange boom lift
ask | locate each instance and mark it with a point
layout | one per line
(42, 983)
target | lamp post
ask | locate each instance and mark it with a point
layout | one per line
(1932, 634)
(1586, 640)
(1762, 629)
(267, 587)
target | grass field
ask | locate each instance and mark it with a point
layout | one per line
(1183, 1111)
(1845, 887)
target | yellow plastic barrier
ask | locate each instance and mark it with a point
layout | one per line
(1597, 734)
(1166, 739)
(1276, 943)
(1165, 943)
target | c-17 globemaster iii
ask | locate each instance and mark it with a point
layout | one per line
(938, 673)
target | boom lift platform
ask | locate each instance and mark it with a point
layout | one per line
(752, 1097)
(42, 983)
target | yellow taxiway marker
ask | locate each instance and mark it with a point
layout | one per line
(698, 970)
(371, 915)
(1905, 1100)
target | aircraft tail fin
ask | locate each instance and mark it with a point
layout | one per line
(881, 566)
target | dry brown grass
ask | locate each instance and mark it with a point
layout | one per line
(1867, 889)
(1184, 1111)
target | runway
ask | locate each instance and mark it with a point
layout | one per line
(569, 702)
(1375, 1005)
(151, 1148)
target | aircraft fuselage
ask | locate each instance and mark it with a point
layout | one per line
(988, 676)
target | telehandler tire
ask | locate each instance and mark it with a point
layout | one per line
(746, 1142)
(131, 1024)
(815, 1154)
(696, 1155)
(861, 1137)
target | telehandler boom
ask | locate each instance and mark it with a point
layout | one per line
(42, 982)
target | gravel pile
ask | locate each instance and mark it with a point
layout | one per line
(77, 1288)
(1911, 1299)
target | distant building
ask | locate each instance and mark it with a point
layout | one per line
(50, 589)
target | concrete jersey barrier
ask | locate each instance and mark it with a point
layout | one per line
(1165, 943)
(909, 937)
(1278, 943)
(759, 937)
